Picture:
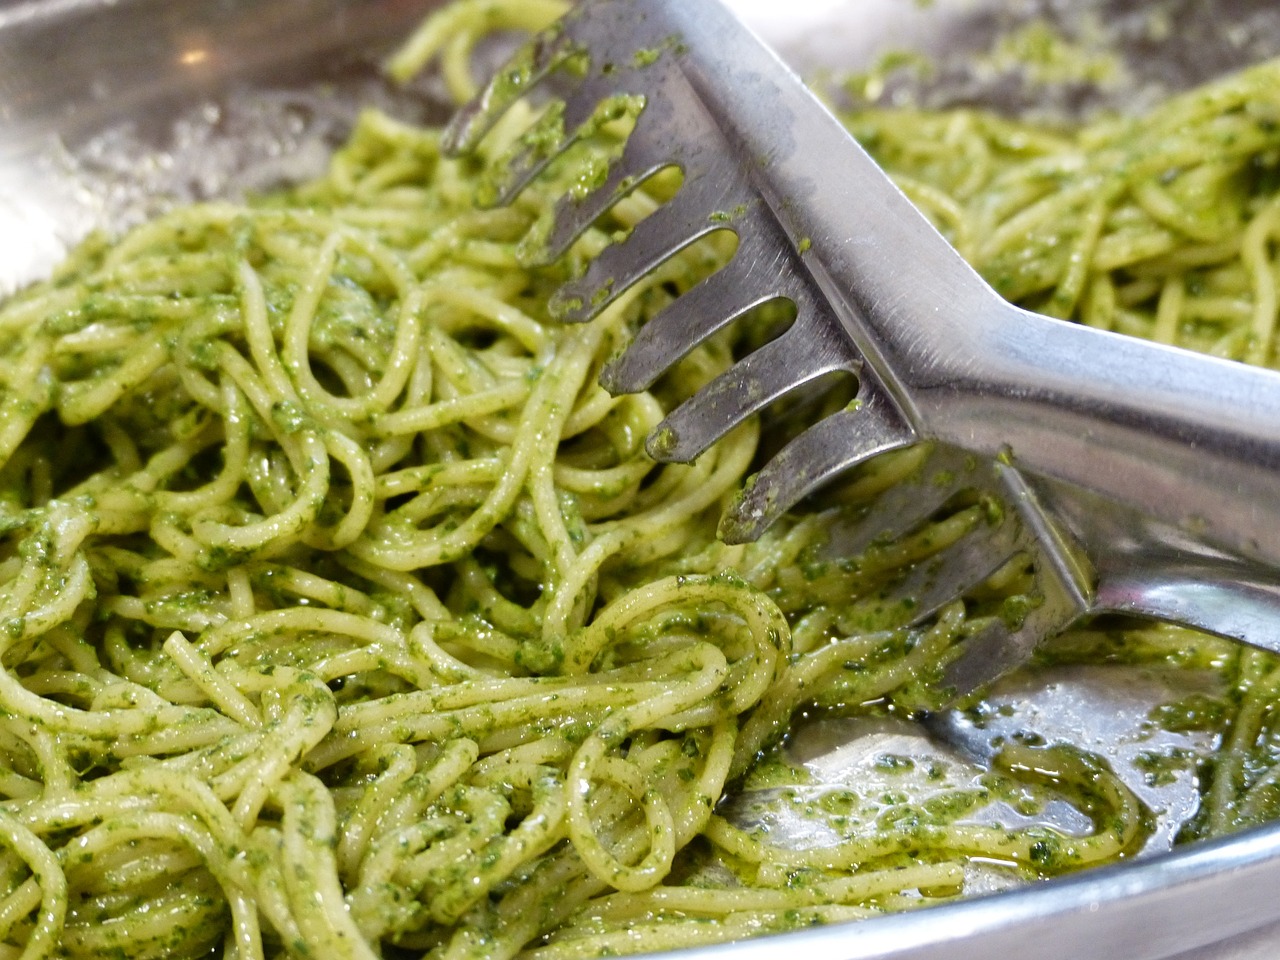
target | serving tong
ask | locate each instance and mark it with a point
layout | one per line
(1138, 478)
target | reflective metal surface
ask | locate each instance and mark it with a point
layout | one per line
(112, 108)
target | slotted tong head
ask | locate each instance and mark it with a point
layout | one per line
(1140, 478)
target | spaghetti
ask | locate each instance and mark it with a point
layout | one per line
(343, 615)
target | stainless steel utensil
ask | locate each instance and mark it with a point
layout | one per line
(1091, 556)
(1179, 452)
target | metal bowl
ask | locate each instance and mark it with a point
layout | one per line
(111, 110)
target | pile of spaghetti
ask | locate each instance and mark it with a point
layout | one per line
(342, 614)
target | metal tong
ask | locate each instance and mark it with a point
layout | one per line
(1140, 478)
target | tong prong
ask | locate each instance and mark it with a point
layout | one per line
(668, 133)
(654, 240)
(577, 210)
(563, 124)
(865, 429)
(991, 650)
(678, 329)
(1065, 593)
(945, 473)
(706, 308)
(956, 569)
(807, 352)
(529, 66)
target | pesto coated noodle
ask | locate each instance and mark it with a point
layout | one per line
(343, 615)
